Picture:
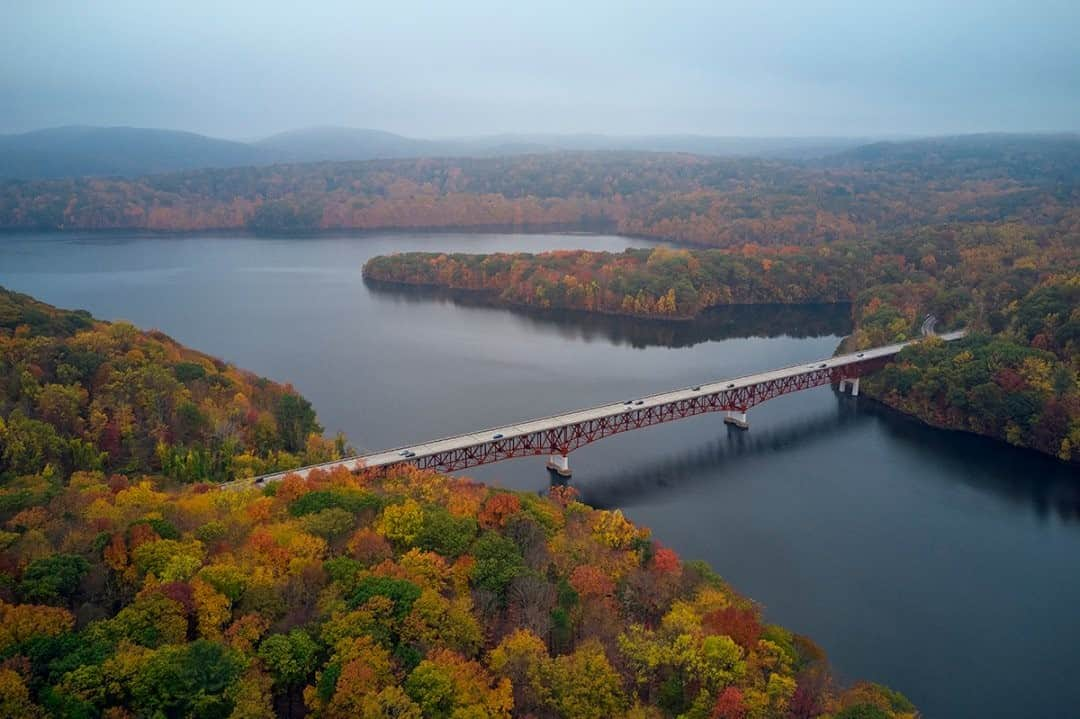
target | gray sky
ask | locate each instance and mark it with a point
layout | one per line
(248, 68)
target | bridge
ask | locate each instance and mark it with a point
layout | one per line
(558, 435)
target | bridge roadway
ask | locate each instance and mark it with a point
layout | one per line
(559, 434)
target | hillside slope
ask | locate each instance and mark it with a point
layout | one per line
(118, 151)
(131, 587)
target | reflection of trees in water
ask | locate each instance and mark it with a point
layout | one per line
(1021, 477)
(717, 323)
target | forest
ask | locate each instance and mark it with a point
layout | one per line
(1015, 287)
(706, 201)
(657, 283)
(132, 586)
(82, 395)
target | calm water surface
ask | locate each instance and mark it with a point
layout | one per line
(943, 565)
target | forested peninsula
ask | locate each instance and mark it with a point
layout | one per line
(1015, 287)
(132, 586)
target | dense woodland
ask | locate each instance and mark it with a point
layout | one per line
(131, 586)
(716, 202)
(84, 395)
(1016, 287)
(661, 282)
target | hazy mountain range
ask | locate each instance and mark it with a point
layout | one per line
(129, 151)
(76, 151)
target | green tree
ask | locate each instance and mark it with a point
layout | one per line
(498, 561)
(862, 711)
(444, 533)
(53, 578)
(289, 657)
(583, 685)
(191, 680)
(28, 445)
(295, 421)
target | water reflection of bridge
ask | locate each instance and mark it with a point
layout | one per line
(1013, 475)
(629, 485)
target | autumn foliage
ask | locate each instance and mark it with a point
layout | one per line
(80, 394)
(661, 282)
(705, 201)
(1016, 288)
(537, 611)
(129, 590)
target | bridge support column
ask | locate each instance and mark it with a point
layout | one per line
(738, 419)
(559, 464)
(852, 383)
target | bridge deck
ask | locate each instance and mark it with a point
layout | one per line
(532, 427)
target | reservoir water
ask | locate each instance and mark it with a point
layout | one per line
(943, 565)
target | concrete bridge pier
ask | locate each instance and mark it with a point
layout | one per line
(852, 383)
(737, 419)
(559, 464)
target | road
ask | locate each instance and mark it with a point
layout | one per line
(927, 328)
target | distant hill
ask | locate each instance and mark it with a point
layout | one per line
(124, 151)
(792, 148)
(1048, 158)
(78, 151)
(319, 144)
(343, 143)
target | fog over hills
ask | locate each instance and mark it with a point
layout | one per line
(124, 151)
(78, 151)
(318, 144)
(1046, 158)
(128, 152)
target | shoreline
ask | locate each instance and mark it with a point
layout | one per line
(497, 302)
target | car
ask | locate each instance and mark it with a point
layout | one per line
(697, 389)
(409, 454)
(822, 365)
(640, 401)
(403, 453)
(497, 436)
(629, 401)
(860, 354)
(730, 385)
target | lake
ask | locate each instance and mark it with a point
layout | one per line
(940, 564)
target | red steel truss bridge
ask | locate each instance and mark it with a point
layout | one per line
(557, 436)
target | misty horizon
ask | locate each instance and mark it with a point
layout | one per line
(525, 134)
(473, 69)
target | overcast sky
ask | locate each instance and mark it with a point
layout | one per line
(249, 68)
